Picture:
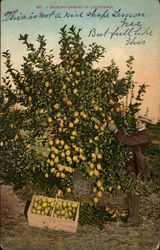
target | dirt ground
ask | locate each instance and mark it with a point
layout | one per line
(17, 235)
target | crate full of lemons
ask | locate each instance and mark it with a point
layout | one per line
(53, 213)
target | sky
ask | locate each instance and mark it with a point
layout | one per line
(143, 18)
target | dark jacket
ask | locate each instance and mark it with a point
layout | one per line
(137, 144)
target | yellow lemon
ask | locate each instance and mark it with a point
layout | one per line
(56, 106)
(62, 154)
(69, 159)
(62, 142)
(96, 107)
(70, 170)
(81, 150)
(80, 156)
(69, 103)
(112, 122)
(53, 156)
(77, 161)
(76, 149)
(48, 161)
(60, 167)
(73, 69)
(22, 92)
(76, 113)
(84, 116)
(36, 198)
(29, 98)
(33, 210)
(96, 138)
(99, 183)
(11, 125)
(76, 121)
(93, 155)
(52, 170)
(111, 102)
(74, 133)
(102, 128)
(52, 148)
(50, 143)
(46, 84)
(68, 152)
(57, 141)
(56, 160)
(87, 63)
(44, 204)
(50, 91)
(82, 72)
(90, 141)
(96, 172)
(49, 200)
(51, 163)
(62, 175)
(102, 188)
(66, 168)
(65, 99)
(99, 156)
(96, 127)
(95, 200)
(118, 109)
(72, 137)
(91, 165)
(71, 125)
(41, 111)
(78, 73)
(76, 81)
(99, 167)
(99, 194)
(49, 119)
(75, 158)
(94, 190)
(46, 175)
(109, 118)
(83, 158)
(61, 125)
(75, 91)
(68, 190)
(44, 136)
(72, 62)
(57, 174)
(60, 130)
(118, 187)
(91, 173)
(38, 211)
(66, 147)
(110, 189)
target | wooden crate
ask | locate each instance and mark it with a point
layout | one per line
(45, 221)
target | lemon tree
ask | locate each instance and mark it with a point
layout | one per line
(55, 116)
